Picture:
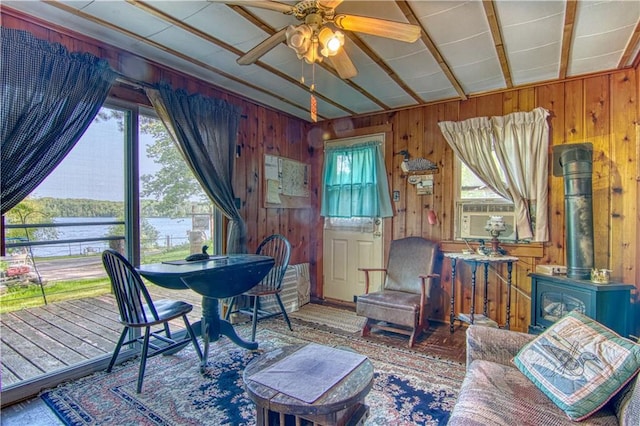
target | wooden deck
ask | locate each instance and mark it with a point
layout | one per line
(40, 340)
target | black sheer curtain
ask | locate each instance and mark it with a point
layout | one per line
(49, 98)
(205, 131)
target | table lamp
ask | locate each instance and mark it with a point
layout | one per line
(495, 226)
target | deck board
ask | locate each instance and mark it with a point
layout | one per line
(96, 337)
(83, 326)
(91, 327)
(15, 367)
(27, 348)
(61, 353)
(44, 339)
(94, 316)
(7, 375)
(100, 308)
(83, 348)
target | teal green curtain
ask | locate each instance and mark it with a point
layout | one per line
(355, 182)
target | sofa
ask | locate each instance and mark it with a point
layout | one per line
(496, 392)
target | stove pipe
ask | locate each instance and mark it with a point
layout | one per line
(576, 162)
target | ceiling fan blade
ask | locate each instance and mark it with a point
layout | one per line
(379, 27)
(257, 52)
(343, 65)
(262, 4)
(330, 4)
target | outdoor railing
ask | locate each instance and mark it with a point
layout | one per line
(71, 271)
(25, 242)
(20, 274)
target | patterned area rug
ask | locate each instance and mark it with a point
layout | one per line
(410, 388)
(332, 317)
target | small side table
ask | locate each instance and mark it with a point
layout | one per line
(474, 260)
(342, 404)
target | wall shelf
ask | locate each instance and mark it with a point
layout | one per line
(420, 172)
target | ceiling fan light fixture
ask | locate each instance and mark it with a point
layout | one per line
(317, 37)
(299, 39)
(330, 41)
(311, 55)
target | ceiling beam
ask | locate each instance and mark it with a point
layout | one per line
(494, 25)
(631, 47)
(636, 61)
(146, 7)
(431, 46)
(382, 64)
(103, 23)
(567, 37)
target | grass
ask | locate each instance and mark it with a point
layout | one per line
(31, 296)
(24, 297)
(175, 254)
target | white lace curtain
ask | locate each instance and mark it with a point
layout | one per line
(518, 171)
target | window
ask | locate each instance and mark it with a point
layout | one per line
(352, 224)
(355, 182)
(473, 188)
(510, 153)
(76, 213)
(476, 203)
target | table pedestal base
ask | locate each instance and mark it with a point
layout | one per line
(211, 327)
(217, 278)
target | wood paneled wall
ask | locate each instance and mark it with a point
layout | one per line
(262, 131)
(601, 109)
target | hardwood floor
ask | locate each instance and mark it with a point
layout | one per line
(436, 341)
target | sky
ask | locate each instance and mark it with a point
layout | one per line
(93, 169)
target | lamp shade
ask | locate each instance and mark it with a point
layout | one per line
(299, 39)
(330, 41)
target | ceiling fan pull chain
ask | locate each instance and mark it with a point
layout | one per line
(313, 102)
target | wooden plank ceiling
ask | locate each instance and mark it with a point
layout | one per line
(465, 47)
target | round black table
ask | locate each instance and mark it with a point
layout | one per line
(220, 277)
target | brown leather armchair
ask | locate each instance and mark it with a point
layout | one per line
(402, 305)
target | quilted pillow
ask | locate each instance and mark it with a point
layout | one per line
(579, 364)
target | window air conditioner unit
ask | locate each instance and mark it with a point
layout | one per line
(473, 218)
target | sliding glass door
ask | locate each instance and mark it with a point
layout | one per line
(124, 186)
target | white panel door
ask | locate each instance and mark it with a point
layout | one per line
(344, 252)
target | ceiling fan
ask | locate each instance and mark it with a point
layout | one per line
(316, 37)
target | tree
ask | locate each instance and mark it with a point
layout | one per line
(30, 210)
(148, 233)
(173, 188)
(174, 184)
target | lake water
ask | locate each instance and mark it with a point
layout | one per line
(171, 232)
